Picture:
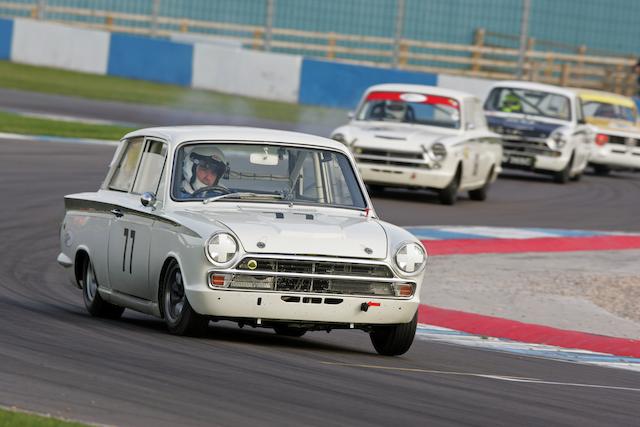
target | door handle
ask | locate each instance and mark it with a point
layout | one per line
(117, 212)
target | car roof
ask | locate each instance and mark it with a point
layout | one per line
(425, 89)
(519, 84)
(175, 135)
(602, 96)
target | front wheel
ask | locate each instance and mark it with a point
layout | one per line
(563, 176)
(178, 314)
(601, 170)
(449, 194)
(94, 303)
(394, 340)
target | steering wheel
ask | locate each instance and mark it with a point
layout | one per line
(220, 188)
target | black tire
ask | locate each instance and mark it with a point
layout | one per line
(601, 170)
(562, 177)
(394, 340)
(480, 194)
(94, 303)
(449, 194)
(178, 314)
(288, 331)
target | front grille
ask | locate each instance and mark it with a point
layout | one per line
(312, 276)
(316, 267)
(621, 140)
(393, 158)
(526, 145)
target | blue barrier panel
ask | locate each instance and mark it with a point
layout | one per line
(341, 85)
(637, 100)
(6, 34)
(150, 59)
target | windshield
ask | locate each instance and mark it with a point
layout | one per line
(265, 173)
(415, 108)
(608, 111)
(530, 102)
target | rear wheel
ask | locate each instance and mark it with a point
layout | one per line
(394, 340)
(480, 194)
(288, 331)
(449, 194)
(180, 318)
(94, 303)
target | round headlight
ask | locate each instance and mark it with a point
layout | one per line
(411, 257)
(559, 139)
(221, 248)
(438, 152)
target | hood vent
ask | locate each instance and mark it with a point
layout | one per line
(394, 138)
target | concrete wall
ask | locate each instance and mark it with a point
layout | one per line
(248, 73)
(6, 34)
(59, 46)
(332, 84)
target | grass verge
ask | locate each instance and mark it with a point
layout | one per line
(19, 419)
(62, 82)
(15, 123)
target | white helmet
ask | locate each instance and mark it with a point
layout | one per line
(207, 156)
(395, 109)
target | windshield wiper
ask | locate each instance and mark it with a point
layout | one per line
(243, 195)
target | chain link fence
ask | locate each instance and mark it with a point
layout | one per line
(588, 43)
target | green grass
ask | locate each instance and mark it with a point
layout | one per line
(18, 419)
(14, 123)
(61, 82)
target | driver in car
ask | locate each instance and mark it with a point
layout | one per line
(203, 168)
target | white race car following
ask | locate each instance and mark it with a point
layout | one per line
(416, 136)
(543, 127)
(265, 228)
(614, 120)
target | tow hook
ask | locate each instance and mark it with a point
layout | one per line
(365, 305)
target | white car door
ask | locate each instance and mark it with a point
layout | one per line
(131, 225)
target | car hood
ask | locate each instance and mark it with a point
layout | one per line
(526, 127)
(405, 137)
(300, 232)
(613, 125)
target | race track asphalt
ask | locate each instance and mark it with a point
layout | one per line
(55, 358)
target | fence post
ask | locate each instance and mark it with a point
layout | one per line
(404, 54)
(524, 30)
(548, 72)
(268, 25)
(155, 11)
(399, 28)
(582, 50)
(565, 74)
(257, 39)
(478, 43)
(331, 41)
(39, 10)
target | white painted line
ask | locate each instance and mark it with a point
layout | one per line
(498, 232)
(486, 376)
(55, 139)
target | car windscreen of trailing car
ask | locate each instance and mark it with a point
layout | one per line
(265, 173)
(529, 102)
(416, 108)
(608, 111)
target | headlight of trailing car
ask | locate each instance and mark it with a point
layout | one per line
(221, 248)
(410, 257)
(438, 152)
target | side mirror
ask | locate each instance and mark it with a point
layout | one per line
(582, 121)
(351, 115)
(148, 199)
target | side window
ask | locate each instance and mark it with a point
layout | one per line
(126, 169)
(151, 168)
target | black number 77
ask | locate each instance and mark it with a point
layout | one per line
(128, 233)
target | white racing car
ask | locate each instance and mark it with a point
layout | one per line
(265, 228)
(416, 136)
(543, 128)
